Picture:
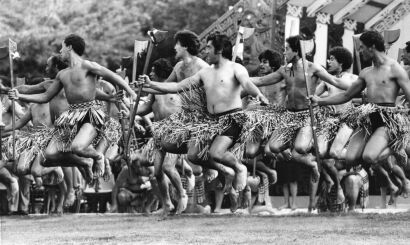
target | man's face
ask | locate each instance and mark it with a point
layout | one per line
(405, 57)
(289, 54)
(264, 67)
(65, 52)
(153, 75)
(211, 57)
(180, 51)
(333, 67)
(367, 52)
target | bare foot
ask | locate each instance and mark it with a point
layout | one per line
(406, 188)
(340, 196)
(210, 175)
(167, 209)
(393, 189)
(293, 207)
(233, 198)
(285, 206)
(107, 170)
(99, 166)
(311, 207)
(240, 177)
(315, 173)
(69, 199)
(182, 203)
(273, 176)
(191, 182)
(229, 177)
(88, 172)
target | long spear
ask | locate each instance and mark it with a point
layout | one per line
(12, 54)
(303, 45)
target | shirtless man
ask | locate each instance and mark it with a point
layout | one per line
(383, 81)
(293, 75)
(187, 48)
(81, 124)
(222, 82)
(340, 60)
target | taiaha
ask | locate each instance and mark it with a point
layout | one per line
(12, 55)
(308, 45)
(4, 52)
(156, 36)
(243, 33)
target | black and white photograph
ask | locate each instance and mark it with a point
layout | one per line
(204, 122)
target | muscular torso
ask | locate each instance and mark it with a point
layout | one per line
(165, 105)
(40, 115)
(381, 84)
(79, 85)
(109, 107)
(223, 91)
(296, 86)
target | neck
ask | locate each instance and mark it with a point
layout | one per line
(187, 58)
(379, 58)
(222, 61)
(75, 59)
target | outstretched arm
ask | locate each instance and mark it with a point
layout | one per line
(110, 76)
(342, 97)
(269, 79)
(45, 97)
(242, 76)
(170, 87)
(33, 89)
(325, 76)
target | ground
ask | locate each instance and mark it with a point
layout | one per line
(227, 229)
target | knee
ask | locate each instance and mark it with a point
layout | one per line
(369, 158)
(252, 150)
(216, 155)
(274, 147)
(301, 149)
(335, 153)
(36, 171)
(77, 148)
(167, 168)
(123, 198)
(21, 170)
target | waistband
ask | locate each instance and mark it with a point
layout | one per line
(386, 104)
(84, 105)
(226, 112)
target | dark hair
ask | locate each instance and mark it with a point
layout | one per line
(294, 44)
(163, 67)
(57, 62)
(189, 40)
(343, 56)
(76, 42)
(407, 48)
(370, 38)
(274, 58)
(221, 44)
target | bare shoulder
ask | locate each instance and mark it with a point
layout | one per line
(238, 67)
(89, 65)
(178, 65)
(366, 71)
(315, 67)
(201, 63)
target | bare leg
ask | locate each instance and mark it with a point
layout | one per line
(310, 161)
(12, 188)
(293, 187)
(312, 195)
(342, 137)
(23, 163)
(61, 196)
(68, 179)
(102, 148)
(286, 198)
(383, 199)
(169, 169)
(329, 164)
(81, 145)
(219, 153)
(162, 182)
(398, 171)
(352, 186)
(355, 148)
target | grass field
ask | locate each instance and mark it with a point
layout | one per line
(211, 229)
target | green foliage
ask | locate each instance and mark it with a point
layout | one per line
(108, 26)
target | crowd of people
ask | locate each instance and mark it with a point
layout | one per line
(205, 131)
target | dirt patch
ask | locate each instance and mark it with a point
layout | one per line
(228, 229)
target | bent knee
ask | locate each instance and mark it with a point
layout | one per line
(123, 198)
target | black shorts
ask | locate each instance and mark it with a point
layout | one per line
(376, 118)
(234, 130)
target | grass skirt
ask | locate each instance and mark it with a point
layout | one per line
(396, 120)
(70, 121)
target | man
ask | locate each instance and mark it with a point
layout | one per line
(222, 83)
(297, 108)
(340, 61)
(82, 123)
(383, 81)
(187, 48)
